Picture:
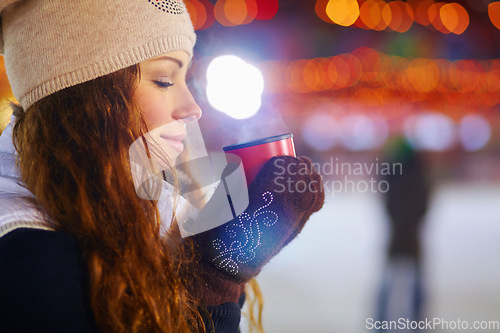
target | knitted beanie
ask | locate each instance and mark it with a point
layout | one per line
(49, 45)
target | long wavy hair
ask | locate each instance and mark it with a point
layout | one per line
(73, 156)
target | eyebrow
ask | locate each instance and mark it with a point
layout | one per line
(177, 61)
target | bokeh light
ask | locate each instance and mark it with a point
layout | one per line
(464, 75)
(396, 15)
(474, 132)
(494, 13)
(238, 12)
(320, 131)
(197, 13)
(320, 9)
(371, 14)
(360, 132)
(454, 17)
(342, 12)
(430, 131)
(380, 78)
(201, 13)
(234, 86)
(266, 9)
(423, 75)
(5, 90)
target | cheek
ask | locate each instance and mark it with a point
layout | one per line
(154, 108)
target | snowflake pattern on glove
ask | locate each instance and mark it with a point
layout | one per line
(243, 237)
(169, 6)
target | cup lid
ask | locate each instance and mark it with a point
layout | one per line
(258, 142)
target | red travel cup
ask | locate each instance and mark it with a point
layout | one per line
(254, 154)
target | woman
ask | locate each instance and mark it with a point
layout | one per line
(80, 250)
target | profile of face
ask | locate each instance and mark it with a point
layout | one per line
(166, 102)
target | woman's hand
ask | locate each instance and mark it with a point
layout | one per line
(282, 197)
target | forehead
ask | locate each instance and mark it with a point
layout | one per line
(180, 57)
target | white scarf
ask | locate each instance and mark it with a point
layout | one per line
(16, 211)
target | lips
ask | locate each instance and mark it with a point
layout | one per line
(176, 137)
(174, 141)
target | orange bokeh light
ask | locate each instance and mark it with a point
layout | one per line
(197, 13)
(423, 75)
(320, 9)
(401, 16)
(220, 14)
(311, 78)
(5, 90)
(209, 9)
(342, 12)
(494, 76)
(371, 14)
(449, 16)
(454, 17)
(435, 17)
(355, 68)
(236, 11)
(422, 12)
(294, 77)
(325, 79)
(444, 85)
(369, 60)
(375, 79)
(464, 75)
(339, 68)
(398, 15)
(252, 11)
(494, 13)
(332, 73)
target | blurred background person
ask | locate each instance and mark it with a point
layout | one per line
(406, 202)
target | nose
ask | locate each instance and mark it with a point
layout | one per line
(188, 110)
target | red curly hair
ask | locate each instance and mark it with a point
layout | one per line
(73, 156)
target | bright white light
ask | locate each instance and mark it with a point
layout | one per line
(234, 87)
(430, 131)
(475, 132)
(361, 132)
(320, 131)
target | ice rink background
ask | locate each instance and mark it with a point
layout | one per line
(327, 279)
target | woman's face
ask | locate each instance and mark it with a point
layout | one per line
(165, 100)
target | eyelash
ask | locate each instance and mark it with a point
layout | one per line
(163, 84)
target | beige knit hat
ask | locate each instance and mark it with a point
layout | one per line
(49, 45)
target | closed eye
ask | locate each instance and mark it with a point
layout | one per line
(163, 84)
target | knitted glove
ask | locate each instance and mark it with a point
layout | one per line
(282, 197)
